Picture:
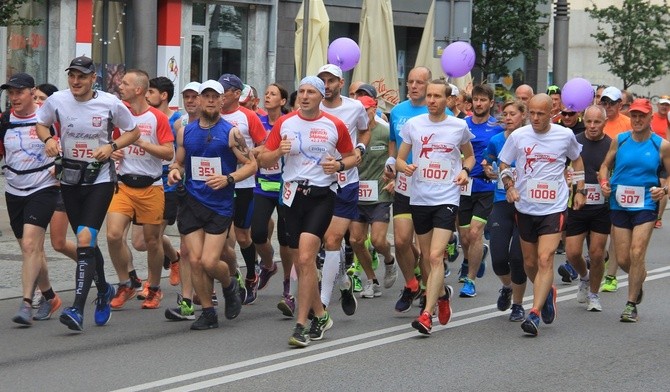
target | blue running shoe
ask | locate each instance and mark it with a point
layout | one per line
(103, 309)
(482, 266)
(517, 314)
(404, 303)
(531, 323)
(468, 290)
(73, 319)
(504, 299)
(568, 274)
(549, 307)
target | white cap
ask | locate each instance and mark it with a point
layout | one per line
(331, 69)
(664, 99)
(247, 94)
(454, 90)
(192, 86)
(213, 84)
(612, 93)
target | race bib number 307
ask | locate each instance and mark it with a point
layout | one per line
(630, 196)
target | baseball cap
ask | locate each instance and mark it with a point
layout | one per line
(82, 64)
(664, 99)
(229, 81)
(19, 80)
(454, 90)
(641, 105)
(331, 69)
(553, 89)
(192, 86)
(367, 102)
(314, 82)
(247, 94)
(612, 93)
(368, 89)
(211, 84)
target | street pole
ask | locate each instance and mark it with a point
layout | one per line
(561, 36)
(305, 33)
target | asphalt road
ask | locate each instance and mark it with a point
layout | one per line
(376, 349)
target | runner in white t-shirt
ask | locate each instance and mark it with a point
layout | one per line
(87, 118)
(436, 141)
(540, 194)
(355, 118)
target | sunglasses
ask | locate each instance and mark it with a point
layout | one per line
(568, 113)
(608, 103)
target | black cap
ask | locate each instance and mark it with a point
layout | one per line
(368, 89)
(82, 64)
(19, 80)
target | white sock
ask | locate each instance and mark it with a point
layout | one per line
(331, 267)
(587, 277)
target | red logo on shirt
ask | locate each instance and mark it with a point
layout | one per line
(533, 157)
(97, 121)
(425, 149)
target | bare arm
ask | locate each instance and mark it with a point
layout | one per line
(163, 151)
(605, 167)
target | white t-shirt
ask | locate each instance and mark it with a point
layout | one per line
(355, 118)
(25, 151)
(311, 142)
(155, 129)
(252, 130)
(540, 162)
(86, 126)
(436, 153)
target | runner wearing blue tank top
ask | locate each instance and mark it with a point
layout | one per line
(635, 192)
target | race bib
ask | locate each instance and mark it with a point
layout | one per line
(466, 190)
(594, 195)
(545, 192)
(275, 169)
(630, 196)
(202, 167)
(342, 178)
(81, 150)
(434, 171)
(402, 184)
(288, 193)
(368, 191)
(135, 152)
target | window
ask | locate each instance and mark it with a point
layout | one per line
(27, 45)
(109, 33)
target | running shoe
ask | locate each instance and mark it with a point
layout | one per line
(549, 308)
(390, 274)
(142, 294)
(123, 294)
(287, 306)
(463, 273)
(444, 306)
(300, 337)
(451, 253)
(611, 285)
(348, 299)
(482, 265)
(153, 300)
(404, 303)
(517, 314)
(531, 323)
(103, 309)
(319, 326)
(583, 291)
(24, 315)
(47, 308)
(265, 275)
(73, 319)
(251, 288)
(371, 290)
(629, 314)
(423, 323)
(37, 298)
(422, 303)
(233, 301)
(560, 250)
(358, 285)
(447, 270)
(567, 272)
(468, 290)
(182, 312)
(241, 289)
(175, 275)
(505, 298)
(207, 320)
(594, 303)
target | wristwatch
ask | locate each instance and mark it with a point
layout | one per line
(231, 179)
(583, 191)
(114, 146)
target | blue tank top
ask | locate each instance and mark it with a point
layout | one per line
(210, 143)
(636, 164)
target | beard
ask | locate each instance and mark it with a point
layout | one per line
(210, 117)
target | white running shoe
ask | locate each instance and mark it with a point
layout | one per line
(583, 291)
(594, 303)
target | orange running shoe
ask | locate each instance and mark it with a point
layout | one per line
(175, 277)
(142, 295)
(444, 306)
(123, 294)
(153, 299)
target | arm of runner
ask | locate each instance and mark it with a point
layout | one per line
(401, 165)
(604, 173)
(50, 145)
(579, 198)
(163, 151)
(512, 194)
(468, 163)
(105, 151)
(177, 167)
(659, 192)
(244, 156)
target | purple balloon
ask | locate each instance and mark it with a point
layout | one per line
(344, 52)
(577, 94)
(458, 59)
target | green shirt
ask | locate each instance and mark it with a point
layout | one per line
(372, 165)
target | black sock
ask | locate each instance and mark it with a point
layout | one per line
(375, 281)
(208, 311)
(133, 275)
(86, 266)
(49, 294)
(29, 301)
(99, 277)
(166, 262)
(249, 256)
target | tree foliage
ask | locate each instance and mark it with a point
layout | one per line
(502, 30)
(634, 40)
(9, 14)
